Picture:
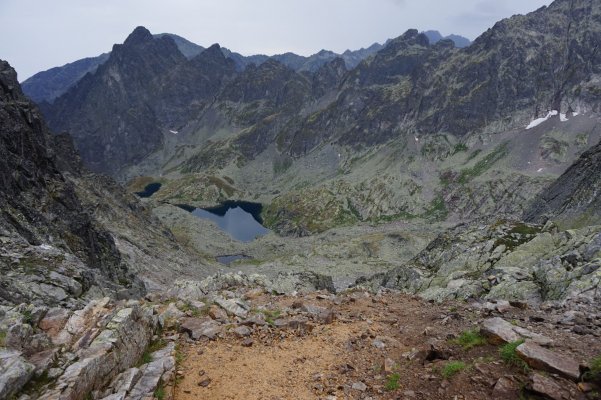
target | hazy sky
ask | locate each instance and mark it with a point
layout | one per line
(39, 34)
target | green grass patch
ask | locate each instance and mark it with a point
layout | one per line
(180, 356)
(438, 210)
(196, 312)
(484, 164)
(392, 382)
(470, 339)
(473, 155)
(595, 371)
(459, 148)
(509, 355)
(271, 315)
(159, 392)
(452, 368)
(2, 338)
(517, 236)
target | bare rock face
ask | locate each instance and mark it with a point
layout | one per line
(546, 360)
(41, 211)
(573, 199)
(115, 348)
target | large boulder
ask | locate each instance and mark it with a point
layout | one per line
(15, 372)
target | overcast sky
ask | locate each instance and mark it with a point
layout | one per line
(39, 34)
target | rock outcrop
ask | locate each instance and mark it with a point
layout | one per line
(574, 199)
(53, 249)
(505, 260)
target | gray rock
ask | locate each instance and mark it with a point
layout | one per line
(126, 380)
(360, 386)
(499, 331)
(540, 358)
(151, 373)
(18, 336)
(169, 317)
(233, 306)
(197, 328)
(548, 387)
(116, 348)
(242, 331)
(15, 372)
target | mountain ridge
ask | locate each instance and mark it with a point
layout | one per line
(453, 121)
(45, 86)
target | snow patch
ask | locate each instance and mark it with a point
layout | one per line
(540, 170)
(174, 132)
(563, 118)
(46, 247)
(539, 121)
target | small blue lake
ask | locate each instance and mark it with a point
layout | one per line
(149, 190)
(241, 220)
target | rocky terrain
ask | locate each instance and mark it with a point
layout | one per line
(434, 214)
(237, 336)
(68, 235)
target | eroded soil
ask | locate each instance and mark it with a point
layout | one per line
(381, 347)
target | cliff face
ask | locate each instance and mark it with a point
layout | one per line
(574, 199)
(68, 235)
(109, 113)
(41, 212)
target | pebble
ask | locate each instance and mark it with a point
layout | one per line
(205, 382)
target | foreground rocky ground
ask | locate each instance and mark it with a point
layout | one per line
(243, 337)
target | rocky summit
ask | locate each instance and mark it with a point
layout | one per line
(414, 220)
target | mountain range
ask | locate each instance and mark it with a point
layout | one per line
(50, 84)
(451, 120)
(420, 195)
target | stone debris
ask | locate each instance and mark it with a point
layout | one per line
(549, 387)
(159, 369)
(242, 331)
(499, 331)
(546, 360)
(506, 388)
(100, 345)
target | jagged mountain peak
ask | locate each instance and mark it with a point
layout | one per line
(8, 83)
(213, 52)
(139, 35)
(457, 40)
(273, 65)
(215, 47)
